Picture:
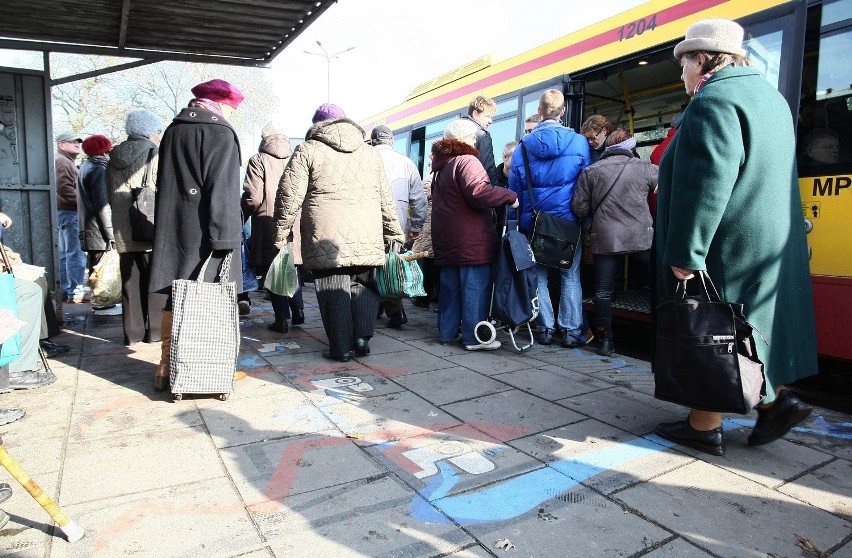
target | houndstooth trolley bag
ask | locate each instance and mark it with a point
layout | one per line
(205, 334)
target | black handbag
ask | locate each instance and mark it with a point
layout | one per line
(705, 356)
(142, 206)
(553, 240)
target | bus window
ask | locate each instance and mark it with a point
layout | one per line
(400, 143)
(764, 50)
(825, 115)
(506, 107)
(502, 132)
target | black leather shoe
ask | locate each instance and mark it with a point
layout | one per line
(776, 420)
(50, 353)
(362, 346)
(681, 432)
(280, 327)
(545, 337)
(397, 319)
(345, 357)
(298, 317)
(47, 344)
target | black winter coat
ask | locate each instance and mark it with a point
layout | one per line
(93, 210)
(198, 199)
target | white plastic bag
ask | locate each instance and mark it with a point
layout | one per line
(105, 280)
(282, 277)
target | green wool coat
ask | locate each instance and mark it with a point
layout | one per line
(729, 203)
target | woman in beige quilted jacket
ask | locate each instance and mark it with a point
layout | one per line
(348, 214)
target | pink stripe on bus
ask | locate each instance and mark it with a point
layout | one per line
(611, 36)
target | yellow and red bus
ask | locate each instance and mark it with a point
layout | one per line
(623, 68)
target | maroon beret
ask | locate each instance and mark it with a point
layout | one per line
(96, 145)
(220, 91)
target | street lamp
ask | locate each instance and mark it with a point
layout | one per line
(328, 58)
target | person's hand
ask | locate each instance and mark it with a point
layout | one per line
(683, 274)
(5, 220)
(515, 205)
(111, 245)
(415, 235)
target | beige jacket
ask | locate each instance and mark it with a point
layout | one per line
(125, 170)
(348, 210)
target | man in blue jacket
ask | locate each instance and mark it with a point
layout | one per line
(556, 156)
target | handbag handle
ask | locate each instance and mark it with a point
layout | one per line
(225, 270)
(709, 292)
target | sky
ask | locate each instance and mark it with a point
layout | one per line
(399, 44)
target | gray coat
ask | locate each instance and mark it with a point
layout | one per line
(614, 190)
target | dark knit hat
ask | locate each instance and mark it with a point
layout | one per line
(96, 145)
(327, 111)
(381, 134)
(220, 91)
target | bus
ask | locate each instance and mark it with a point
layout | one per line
(624, 69)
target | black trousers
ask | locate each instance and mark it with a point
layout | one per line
(347, 305)
(606, 271)
(142, 312)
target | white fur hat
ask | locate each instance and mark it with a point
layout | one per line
(460, 130)
(712, 35)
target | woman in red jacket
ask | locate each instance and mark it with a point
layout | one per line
(464, 233)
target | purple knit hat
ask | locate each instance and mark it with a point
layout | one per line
(327, 111)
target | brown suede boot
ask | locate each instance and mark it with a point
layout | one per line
(161, 375)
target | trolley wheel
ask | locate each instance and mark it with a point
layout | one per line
(224, 396)
(485, 332)
(178, 396)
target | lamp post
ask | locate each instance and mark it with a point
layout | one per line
(328, 58)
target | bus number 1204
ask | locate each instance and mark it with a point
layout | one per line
(637, 27)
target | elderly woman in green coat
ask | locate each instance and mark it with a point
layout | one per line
(729, 204)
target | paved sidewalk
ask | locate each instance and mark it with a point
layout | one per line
(417, 450)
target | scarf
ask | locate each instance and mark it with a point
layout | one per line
(206, 104)
(629, 144)
(702, 81)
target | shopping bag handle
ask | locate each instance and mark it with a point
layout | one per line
(225, 270)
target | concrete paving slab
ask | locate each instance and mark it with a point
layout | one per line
(46, 413)
(511, 414)
(827, 431)
(348, 385)
(578, 523)
(551, 382)
(132, 378)
(381, 344)
(432, 346)
(450, 384)
(628, 410)
(91, 467)
(412, 361)
(456, 460)
(620, 458)
(388, 418)
(678, 548)
(495, 362)
(203, 519)
(35, 454)
(828, 487)
(729, 515)
(29, 530)
(282, 414)
(278, 469)
(364, 518)
(127, 415)
(629, 378)
(472, 552)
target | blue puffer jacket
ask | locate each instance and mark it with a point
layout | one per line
(557, 155)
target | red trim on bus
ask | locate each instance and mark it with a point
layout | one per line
(833, 309)
(670, 15)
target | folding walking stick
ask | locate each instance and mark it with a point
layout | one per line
(73, 532)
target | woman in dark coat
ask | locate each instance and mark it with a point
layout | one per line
(198, 199)
(614, 193)
(464, 234)
(729, 203)
(93, 207)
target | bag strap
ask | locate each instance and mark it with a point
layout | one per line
(224, 271)
(149, 164)
(614, 182)
(5, 259)
(529, 179)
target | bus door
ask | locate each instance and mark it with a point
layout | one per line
(825, 169)
(574, 91)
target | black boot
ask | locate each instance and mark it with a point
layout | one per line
(362, 346)
(298, 316)
(397, 319)
(606, 346)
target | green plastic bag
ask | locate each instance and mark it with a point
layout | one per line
(282, 277)
(399, 278)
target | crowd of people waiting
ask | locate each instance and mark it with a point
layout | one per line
(340, 199)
